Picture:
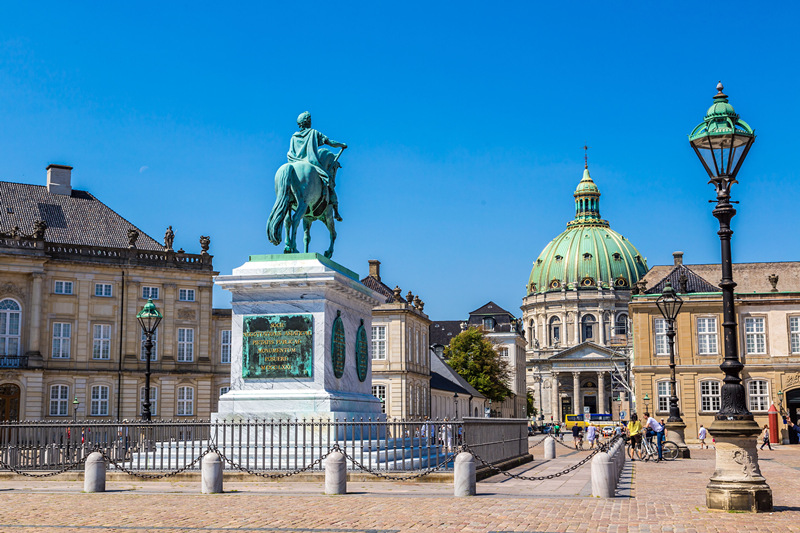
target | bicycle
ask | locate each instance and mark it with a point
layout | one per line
(648, 450)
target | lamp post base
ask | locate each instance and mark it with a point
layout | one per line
(737, 483)
(675, 433)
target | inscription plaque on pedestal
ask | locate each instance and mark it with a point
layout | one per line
(277, 346)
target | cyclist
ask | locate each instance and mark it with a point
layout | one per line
(634, 431)
(653, 425)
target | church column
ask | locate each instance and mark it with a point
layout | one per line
(602, 325)
(554, 399)
(601, 392)
(36, 313)
(577, 329)
(577, 400)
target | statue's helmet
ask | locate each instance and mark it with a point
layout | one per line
(304, 119)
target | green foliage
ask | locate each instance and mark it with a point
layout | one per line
(475, 359)
(531, 410)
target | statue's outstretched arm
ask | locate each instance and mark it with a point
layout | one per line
(335, 144)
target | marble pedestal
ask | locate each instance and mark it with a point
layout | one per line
(277, 291)
(737, 483)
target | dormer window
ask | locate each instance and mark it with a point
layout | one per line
(587, 256)
(559, 258)
(617, 256)
(488, 324)
(555, 284)
(638, 258)
(587, 282)
(620, 282)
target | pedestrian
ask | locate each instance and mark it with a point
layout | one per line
(702, 434)
(576, 435)
(591, 434)
(653, 424)
(558, 431)
(634, 431)
(765, 438)
(793, 426)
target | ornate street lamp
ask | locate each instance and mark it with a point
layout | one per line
(646, 399)
(722, 142)
(149, 318)
(455, 403)
(75, 404)
(669, 303)
(490, 408)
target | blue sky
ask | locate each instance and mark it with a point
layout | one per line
(465, 123)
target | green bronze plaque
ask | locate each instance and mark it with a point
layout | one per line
(338, 346)
(277, 346)
(362, 359)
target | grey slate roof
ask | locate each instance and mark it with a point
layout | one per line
(749, 277)
(76, 219)
(490, 308)
(442, 331)
(443, 377)
(378, 286)
(694, 283)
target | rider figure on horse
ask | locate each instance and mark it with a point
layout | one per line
(304, 146)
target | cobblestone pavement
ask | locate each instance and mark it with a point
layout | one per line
(667, 496)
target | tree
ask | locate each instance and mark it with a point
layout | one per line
(474, 358)
(531, 409)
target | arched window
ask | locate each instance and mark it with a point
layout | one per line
(488, 324)
(555, 330)
(9, 327)
(588, 325)
(621, 324)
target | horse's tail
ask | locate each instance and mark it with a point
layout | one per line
(282, 203)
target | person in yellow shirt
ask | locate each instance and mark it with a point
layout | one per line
(635, 436)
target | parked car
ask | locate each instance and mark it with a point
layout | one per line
(609, 431)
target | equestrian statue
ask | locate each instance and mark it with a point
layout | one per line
(305, 188)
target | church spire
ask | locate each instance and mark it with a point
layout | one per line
(587, 199)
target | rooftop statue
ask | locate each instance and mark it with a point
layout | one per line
(305, 188)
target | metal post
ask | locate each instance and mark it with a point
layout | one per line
(148, 347)
(674, 411)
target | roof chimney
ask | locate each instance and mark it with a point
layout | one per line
(375, 269)
(678, 258)
(59, 179)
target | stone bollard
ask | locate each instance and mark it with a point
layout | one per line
(602, 476)
(211, 474)
(94, 474)
(549, 448)
(336, 473)
(464, 481)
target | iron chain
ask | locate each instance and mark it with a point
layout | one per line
(67, 468)
(390, 477)
(274, 476)
(130, 472)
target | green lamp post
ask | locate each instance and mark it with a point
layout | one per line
(646, 399)
(722, 142)
(149, 318)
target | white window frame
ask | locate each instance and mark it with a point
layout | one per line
(185, 401)
(224, 390)
(710, 395)
(379, 342)
(66, 287)
(379, 390)
(59, 400)
(621, 329)
(148, 292)
(104, 290)
(186, 295)
(755, 335)
(101, 342)
(503, 351)
(10, 333)
(707, 338)
(794, 334)
(153, 399)
(100, 395)
(225, 347)
(61, 340)
(185, 345)
(660, 344)
(662, 396)
(758, 395)
(153, 351)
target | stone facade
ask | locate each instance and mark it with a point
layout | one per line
(768, 342)
(69, 304)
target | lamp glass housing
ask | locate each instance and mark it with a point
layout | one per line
(149, 317)
(669, 303)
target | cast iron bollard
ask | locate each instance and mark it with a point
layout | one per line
(549, 448)
(336, 473)
(464, 483)
(94, 474)
(602, 476)
(211, 474)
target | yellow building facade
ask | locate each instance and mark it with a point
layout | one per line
(768, 315)
(73, 275)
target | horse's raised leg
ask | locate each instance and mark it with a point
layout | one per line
(329, 222)
(306, 233)
(290, 233)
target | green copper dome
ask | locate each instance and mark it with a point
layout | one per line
(589, 254)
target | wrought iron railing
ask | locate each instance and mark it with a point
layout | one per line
(258, 445)
(13, 361)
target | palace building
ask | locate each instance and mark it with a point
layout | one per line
(767, 304)
(73, 275)
(575, 315)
